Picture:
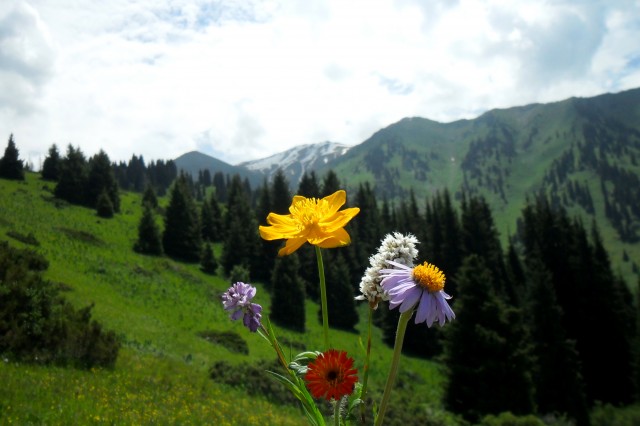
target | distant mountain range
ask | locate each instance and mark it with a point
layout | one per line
(583, 153)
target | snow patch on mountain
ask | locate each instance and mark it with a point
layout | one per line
(298, 160)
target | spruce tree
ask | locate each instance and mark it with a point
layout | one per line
(241, 242)
(287, 294)
(268, 249)
(208, 263)
(72, 180)
(308, 186)
(149, 236)
(101, 179)
(595, 303)
(11, 167)
(486, 351)
(149, 197)
(330, 184)
(206, 222)
(181, 238)
(104, 207)
(340, 297)
(558, 382)
(51, 164)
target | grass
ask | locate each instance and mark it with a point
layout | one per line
(159, 309)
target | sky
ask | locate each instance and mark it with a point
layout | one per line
(243, 79)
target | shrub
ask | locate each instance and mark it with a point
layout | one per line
(38, 325)
(254, 379)
(239, 273)
(228, 339)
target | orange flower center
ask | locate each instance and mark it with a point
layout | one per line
(309, 212)
(429, 277)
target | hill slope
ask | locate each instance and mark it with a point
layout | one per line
(582, 153)
(158, 308)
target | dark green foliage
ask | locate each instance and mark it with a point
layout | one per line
(308, 186)
(557, 377)
(340, 297)
(268, 249)
(287, 294)
(182, 235)
(104, 207)
(51, 164)
(72, 179)
(149, 197)
(330, 184)
(596, 304)
(239, 273)
(100, 180)
(38, 325)
(229, 339)
(210, 221)
(508, 419)
(27, 239)
(486, 350)
(254, 379)
(208, 263)
(241, 242)
(11, 167)
(149, 237)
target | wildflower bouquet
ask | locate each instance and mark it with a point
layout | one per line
(391, 276)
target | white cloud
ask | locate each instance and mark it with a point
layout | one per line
(243, 80)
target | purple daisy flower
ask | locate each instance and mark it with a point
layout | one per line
(238, 300)
(423, 285)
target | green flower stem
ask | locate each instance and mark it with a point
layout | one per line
(365, 379)
(323, 298)
(397, 350)
(336, 413)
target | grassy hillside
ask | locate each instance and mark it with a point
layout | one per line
(157, 307)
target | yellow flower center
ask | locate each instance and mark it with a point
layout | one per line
(429, 277)
(309, 211)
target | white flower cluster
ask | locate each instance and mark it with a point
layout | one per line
(395, 247)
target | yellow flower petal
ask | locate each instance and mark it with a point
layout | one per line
(317, 221)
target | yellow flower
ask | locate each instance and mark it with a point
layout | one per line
(317, 221)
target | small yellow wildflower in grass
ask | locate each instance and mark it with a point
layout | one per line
(313, 220)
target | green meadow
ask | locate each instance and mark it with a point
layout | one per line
(159, 308)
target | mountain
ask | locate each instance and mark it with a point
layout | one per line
(193, 162)
(582, 153)
(298, 160)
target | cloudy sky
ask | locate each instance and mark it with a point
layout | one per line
(243, 79)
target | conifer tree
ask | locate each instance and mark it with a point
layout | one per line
(208, 263)
(340, 297)
(51, 164)
(486, 350)
(241, 230)
(104, 207)
(558, 382)
(149, 197)
(330, 184)
(268, 249)
(216, 216)
(149, 236)
(181, 238)
(11, 167)
(308, 186)
(596, 305)
(206, 222)
(72, 180)
(287, 294)
(101, 179)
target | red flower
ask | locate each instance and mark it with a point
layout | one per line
(331, 375)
